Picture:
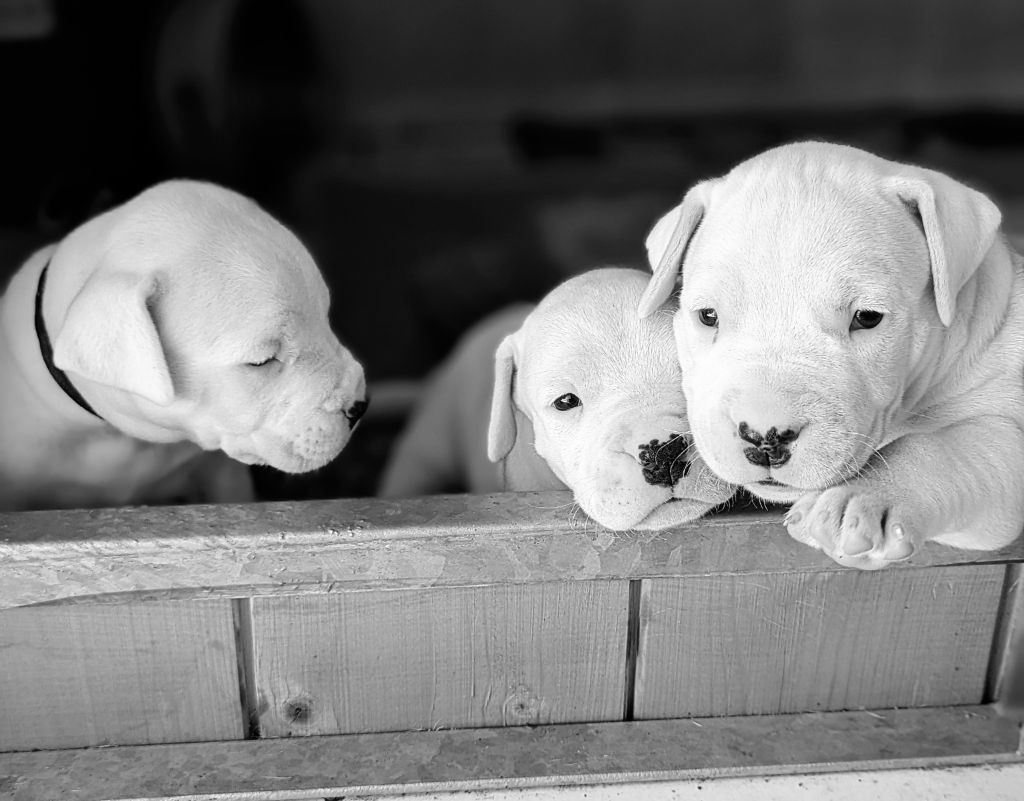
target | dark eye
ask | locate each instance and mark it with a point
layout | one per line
(566, 402)
(266, 361)
(708, 317)
(865, 318)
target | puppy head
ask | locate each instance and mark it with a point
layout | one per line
(207, 318)
(601, 389)
(817, 282)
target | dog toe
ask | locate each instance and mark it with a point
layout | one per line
(861, 527)
(899, 546)
(853, 526)
(797, 519)
(871, 539)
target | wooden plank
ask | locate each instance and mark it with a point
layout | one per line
(522, 756)
(1007, 682)
(323, 546)
(728, 645)
(130, 674)
(422, 659)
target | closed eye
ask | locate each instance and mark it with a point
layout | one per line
(268, 350)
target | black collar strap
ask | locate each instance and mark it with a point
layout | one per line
(46, 349)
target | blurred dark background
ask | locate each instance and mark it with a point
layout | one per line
(442, 159)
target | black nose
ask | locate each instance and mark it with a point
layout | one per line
(770, 449)
(664, 463)
(355, 411)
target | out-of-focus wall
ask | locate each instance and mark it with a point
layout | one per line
(451, 58)
(442, 158)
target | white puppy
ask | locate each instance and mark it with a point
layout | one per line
(851, 335)
(585, 396)
(186, 320)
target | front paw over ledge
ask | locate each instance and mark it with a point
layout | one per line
(857, 526)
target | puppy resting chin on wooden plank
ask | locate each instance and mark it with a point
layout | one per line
(585, 396)
(184, 322)
(851, 335)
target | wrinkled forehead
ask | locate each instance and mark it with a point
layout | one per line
(598, 352)
(255, 276)
(232, 300)
(802, 228)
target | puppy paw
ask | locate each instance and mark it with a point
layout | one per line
(855, 526)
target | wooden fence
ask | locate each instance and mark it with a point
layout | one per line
(321, 649)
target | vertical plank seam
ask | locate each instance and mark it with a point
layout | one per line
(1001, 658)
(632, 647)
(245, 650)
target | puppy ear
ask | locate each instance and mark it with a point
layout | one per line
(667, 242)
(109, 337)
(501, 431)
(960, 225)
(523, 469)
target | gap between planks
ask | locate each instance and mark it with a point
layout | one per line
(245, 654)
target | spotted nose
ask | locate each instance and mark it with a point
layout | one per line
(356, 411)
(770, 449)
(664, 463)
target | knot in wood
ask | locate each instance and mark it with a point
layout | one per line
(522, 706)
(299, 710)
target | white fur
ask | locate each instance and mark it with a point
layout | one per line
(583, 338)
(155, 309)
(909, 431)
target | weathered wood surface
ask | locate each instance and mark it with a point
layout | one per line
(393, 660)
(769, 644)
(320, 546)
(73, 676)
(1007, 675)
(345, 766)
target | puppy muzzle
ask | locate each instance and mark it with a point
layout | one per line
(662, 464)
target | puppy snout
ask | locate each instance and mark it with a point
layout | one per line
(356, 411)
(348, 397)
(664, 463)
(770, 448)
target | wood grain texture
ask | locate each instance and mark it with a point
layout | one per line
(384, 660)
(522, 756)
(740, 645)
(129, 674)
(322, 546)
(1007, 668)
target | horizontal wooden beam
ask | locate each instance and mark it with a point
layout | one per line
(323, 546)
(426, 761)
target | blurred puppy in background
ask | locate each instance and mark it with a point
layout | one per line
(185, 322)
(582, 395)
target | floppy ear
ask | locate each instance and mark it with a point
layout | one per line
(960, 225)
(501, 431)
(523, 469)
(667, 242)
(109, 337)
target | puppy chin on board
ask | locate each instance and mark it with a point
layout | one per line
(583, 395)
(161, 346)
(850, 332)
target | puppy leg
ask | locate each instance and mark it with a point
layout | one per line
(942, 486)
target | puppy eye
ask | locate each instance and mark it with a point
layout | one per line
(263, 363)
(865, 318)
(708, 317)
(566, 402)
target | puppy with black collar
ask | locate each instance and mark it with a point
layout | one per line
(157, 340)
